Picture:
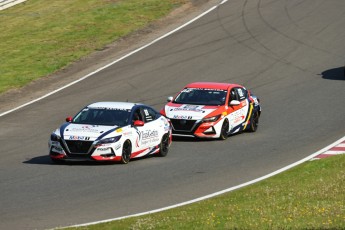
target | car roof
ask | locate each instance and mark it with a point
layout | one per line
(113, 105)
(212, 85)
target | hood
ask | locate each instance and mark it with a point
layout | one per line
(70, 131)
(188, 112)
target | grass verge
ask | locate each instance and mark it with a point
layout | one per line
(309, 196)
(40, 37)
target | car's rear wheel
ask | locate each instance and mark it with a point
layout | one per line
(224, 130)
(126, 152)
(164, 145)
(254, 122)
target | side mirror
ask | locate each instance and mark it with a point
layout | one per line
(138, 123)
(170, 99)
(234, 102)
(69, 119)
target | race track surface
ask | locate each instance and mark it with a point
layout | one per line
(290, 53)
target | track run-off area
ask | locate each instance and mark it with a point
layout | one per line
(289, 53)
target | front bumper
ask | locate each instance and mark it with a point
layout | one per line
(195, 128)
(69, 152)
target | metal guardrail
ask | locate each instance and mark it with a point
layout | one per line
(8, 3)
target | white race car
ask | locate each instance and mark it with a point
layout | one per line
(111, 131)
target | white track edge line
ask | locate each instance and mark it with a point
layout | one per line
(8, 4)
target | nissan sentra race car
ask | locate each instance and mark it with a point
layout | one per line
(212, 110)
(111, 131)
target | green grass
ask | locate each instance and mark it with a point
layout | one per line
(40, 37)
(309, 196)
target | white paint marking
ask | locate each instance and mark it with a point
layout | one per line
(4, 4)
(334, 152)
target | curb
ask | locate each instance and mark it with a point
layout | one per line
(333, 150)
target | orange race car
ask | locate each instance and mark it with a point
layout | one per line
(212, 110)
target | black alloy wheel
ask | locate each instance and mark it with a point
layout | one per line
(164, 145)
(224, 130)
(126, 152)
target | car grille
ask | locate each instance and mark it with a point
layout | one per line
(81, 147)
(183, 125)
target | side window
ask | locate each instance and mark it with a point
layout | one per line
(242, 93)
(137, 116)
(150, 114)
(233, 95)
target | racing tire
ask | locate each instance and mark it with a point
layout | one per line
(224, 130)
(164, 146)
(126, 152)
(254, 122)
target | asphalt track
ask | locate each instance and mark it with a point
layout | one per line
(288, 52)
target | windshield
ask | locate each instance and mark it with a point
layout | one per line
(197, 96)
(102, 116)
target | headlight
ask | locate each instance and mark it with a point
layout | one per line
(54, 137)
(109, 140)
(211, 119)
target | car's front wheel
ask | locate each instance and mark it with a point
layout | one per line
(224, 130)
(164, 145)
(126, 152)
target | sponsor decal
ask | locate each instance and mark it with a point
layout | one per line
(194, 108)
(240, 92)
(238, 116)
(117, 146)
(239, 119)
(85, 128)
(79, 138)
(182, 117)
(106, 108)
(103, 149)
(256, 102)
(119, 130)
(128, 133)
(149, 136)
(206, 89)
(138, 138)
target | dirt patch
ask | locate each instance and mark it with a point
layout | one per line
(38, 88)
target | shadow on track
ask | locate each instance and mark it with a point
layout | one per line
(334, 74)
(193, 139)
(45, 160)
